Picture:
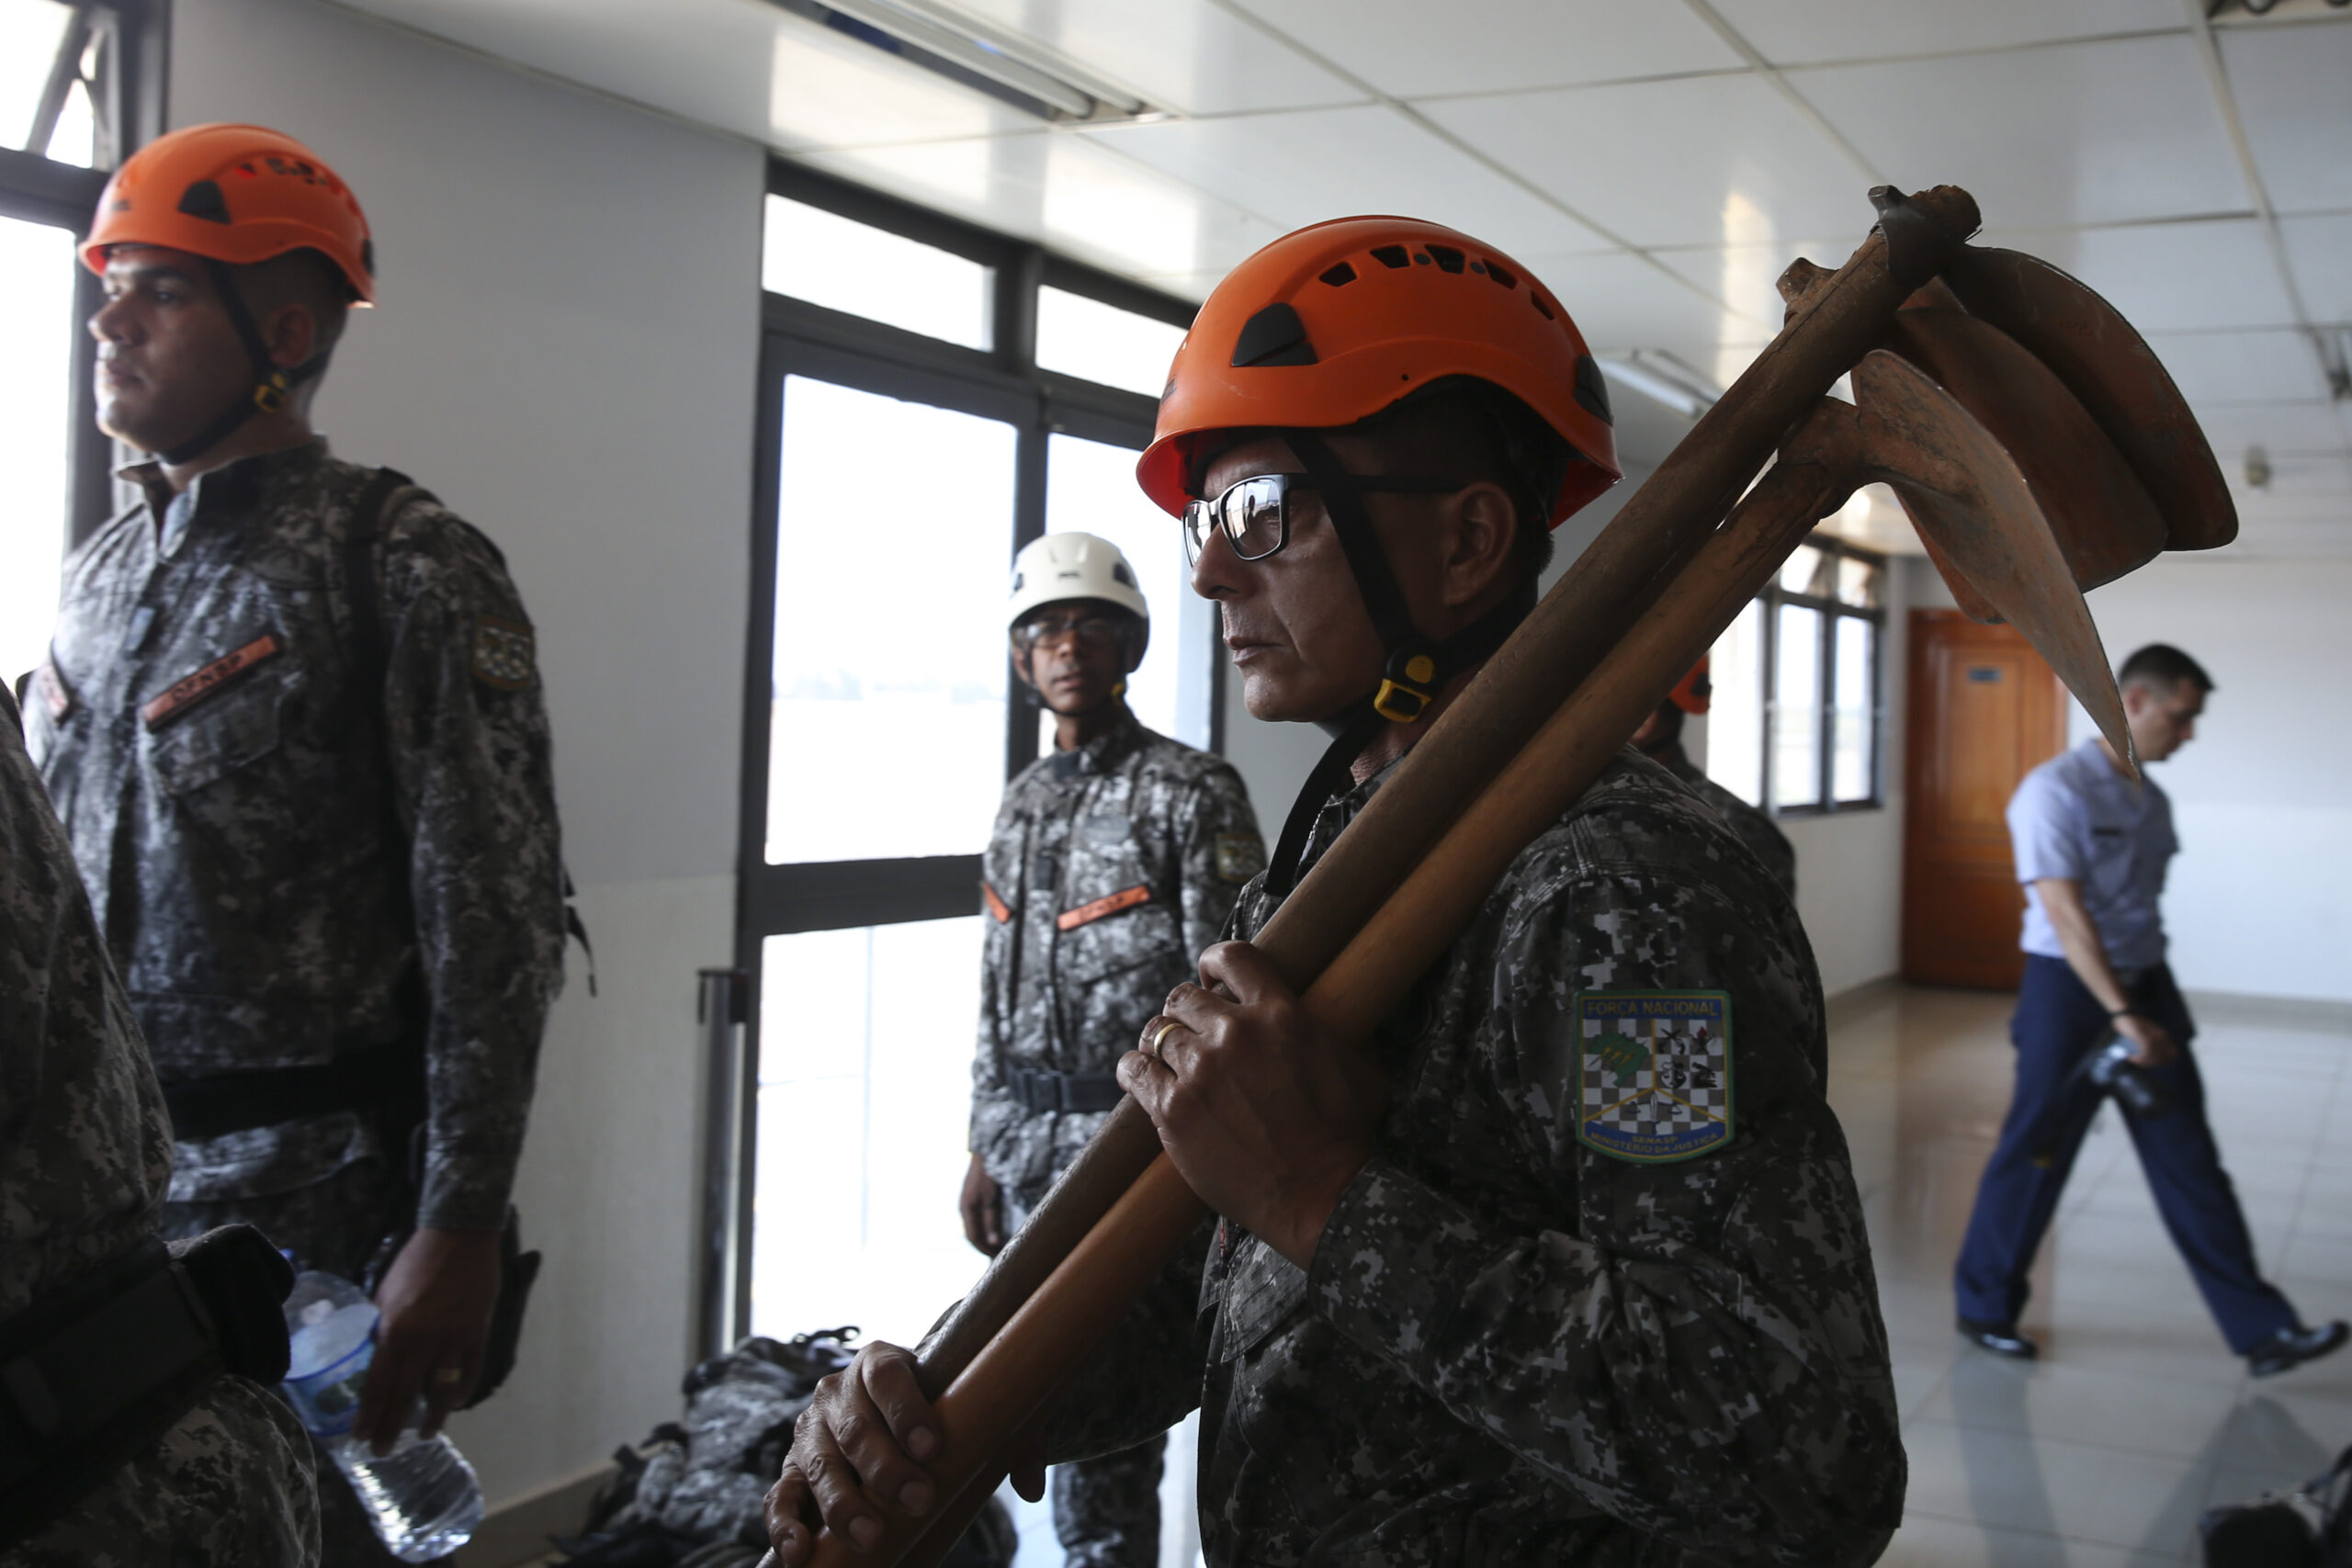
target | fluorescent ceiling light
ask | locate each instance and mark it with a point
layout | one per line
(1002, 57)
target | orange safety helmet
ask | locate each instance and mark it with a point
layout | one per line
(236, 194)
(1695, 691)
(1333, 324)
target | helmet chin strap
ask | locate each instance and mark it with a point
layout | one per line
(272, 384)
(1414, 667)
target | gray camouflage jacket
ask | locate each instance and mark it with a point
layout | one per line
(1513, 1346)
(288, 868)
(1111, 867)
(85, 1158)
(1752, 827)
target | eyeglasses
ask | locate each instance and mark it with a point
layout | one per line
(1096, 631)
(1254, 515)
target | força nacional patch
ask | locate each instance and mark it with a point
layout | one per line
(1655, 1077)
(504, 653)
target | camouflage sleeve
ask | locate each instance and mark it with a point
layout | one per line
(1694, 1347)
(467, 719)
(994, 1110)
(1147, 1376)
(1222, 851)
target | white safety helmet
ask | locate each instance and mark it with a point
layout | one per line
(1074, 566)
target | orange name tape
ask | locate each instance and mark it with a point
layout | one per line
(1085, 914)
(187, 692)
(997, 906)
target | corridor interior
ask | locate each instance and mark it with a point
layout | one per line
(2137, 1418)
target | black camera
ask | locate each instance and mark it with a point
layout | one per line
(2113, 1070)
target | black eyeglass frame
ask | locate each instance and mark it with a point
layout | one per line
(1204, 513)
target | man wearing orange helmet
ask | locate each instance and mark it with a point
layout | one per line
(1660, 739)
(292, 722)
(1568, 1266)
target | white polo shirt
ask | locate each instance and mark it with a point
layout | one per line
(2077, 817)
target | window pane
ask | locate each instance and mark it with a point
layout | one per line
(30, 31)
(1735, 712)
(1796, 709)
(866, 1096)
(1798, 572)
(1084, 337)
(1090, 487)
(888, 735)
(1850, 764)
(37, 339)
(1858, 582)
(842, 265)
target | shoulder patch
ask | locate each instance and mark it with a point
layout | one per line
(504, 653)
(1240, 856)
(1655, 1073)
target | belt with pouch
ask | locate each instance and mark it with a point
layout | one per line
(92, 1373)
(1037, 1093)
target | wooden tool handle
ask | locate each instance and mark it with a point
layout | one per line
(1618, 575)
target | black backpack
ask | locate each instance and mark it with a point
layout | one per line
(2309, 1527)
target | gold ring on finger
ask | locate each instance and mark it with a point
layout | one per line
(1159, 1037)
(447, 1376)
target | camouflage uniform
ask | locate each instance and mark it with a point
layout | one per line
(1110, 868)
(291, 869)
(1755, 830)
(1512, 1349)
(83, 1168)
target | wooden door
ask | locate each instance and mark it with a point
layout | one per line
(1984, 710)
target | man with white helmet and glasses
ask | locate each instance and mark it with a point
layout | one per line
(1115, 862)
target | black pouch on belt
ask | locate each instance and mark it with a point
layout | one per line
(92, 1373)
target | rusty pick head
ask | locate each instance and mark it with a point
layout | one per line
(1976, 511)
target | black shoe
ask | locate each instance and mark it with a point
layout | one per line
(2001, 1339)
(2290, 1347)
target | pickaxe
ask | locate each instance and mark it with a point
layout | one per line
(1977, 403)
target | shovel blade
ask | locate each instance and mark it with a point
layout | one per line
(2089, 346)
(1980, 521)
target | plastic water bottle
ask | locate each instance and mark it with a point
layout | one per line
(422, 1497)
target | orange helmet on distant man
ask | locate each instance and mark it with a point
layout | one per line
(235, 195)
(1695, 691)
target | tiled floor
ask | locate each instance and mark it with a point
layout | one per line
(2137, 1417)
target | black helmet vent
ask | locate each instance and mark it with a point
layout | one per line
(1339, 276)
(1592, 389)
(1274, 336)
(1391, 255)
(203, 199)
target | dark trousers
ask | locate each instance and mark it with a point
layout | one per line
(2058, 1022)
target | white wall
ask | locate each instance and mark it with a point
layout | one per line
(2260, 899)
(566, 353)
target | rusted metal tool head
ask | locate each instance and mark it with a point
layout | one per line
(1980, 517)
(2104, 521)
(2090, 348)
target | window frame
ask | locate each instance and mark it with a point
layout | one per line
(128, 102)
(1825, 706)
(1002, 382)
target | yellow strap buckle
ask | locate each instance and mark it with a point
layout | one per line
(1401, 701)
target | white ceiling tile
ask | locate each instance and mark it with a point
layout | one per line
(2294, 537)
(2276, 427)
(2290, 86)
(1621, 303)
(2321, 475)
(1297, 169)
(1712, 159)
(2320, 250)
(2076, 133)
(2169, 276)
(1793, 31)
(1189, 55)
(1409, 48)
(1747, 277)
(1065, 192)
(2242, 367)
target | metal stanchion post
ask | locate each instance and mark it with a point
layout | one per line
(723, 1007)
